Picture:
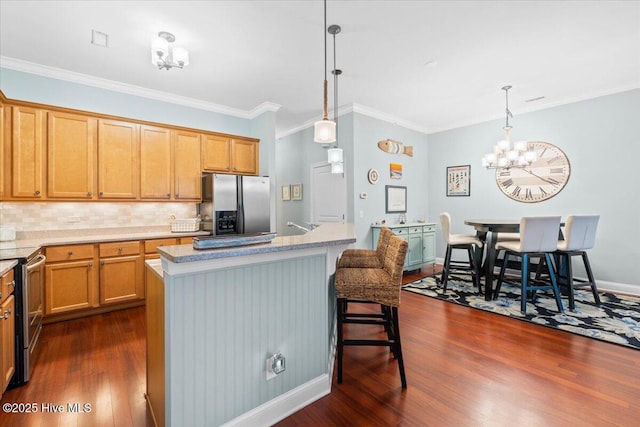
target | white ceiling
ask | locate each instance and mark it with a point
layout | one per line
(247, 53)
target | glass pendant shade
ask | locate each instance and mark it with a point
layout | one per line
(324, 131)
(180, 56)
(337, 168)
(159, 49)
(335, 155)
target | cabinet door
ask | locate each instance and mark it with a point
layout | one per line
(27, 152)
(216, 153)
(7, 285)
(155, 163)
(429, 247)
(71, 156)
(121, 279)
(414, 254)
(244, 157)
(69, 286)
(187, 173)
(118, 160)
(3, 146)
(8, 340)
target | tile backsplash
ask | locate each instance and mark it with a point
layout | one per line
(27, 217)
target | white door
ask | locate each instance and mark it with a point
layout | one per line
(328, 194)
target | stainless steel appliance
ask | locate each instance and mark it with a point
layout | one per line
(235, 204)
(29, 308)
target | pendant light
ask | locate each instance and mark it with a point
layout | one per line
(324, 131)
(335, 154)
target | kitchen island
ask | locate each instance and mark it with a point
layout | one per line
(215, 316)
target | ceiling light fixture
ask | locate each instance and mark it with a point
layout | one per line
(503, 156)
(163, 56)
(324, 131)
(335, 154)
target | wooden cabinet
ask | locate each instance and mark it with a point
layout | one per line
(71, 156)
(187, 180)
(232, 155)
(118, 160)
(7, 285)
(70, 279)
(28, 152)
(7, 338)
(3, 146)
(244, 157)
(155, 163)
(121, 272)
(151, 246)
(429, 244)
(414, 252)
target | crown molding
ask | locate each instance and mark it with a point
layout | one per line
(84, 79)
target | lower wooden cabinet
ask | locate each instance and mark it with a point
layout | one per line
(7, 330)
(121, 272)
(70, 279)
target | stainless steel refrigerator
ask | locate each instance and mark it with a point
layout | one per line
(235, 204)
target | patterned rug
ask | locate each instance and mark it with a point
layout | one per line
(616, 321)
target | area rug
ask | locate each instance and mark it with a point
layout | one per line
(617, 320)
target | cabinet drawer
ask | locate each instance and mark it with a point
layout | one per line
(400, 231)
(7, 285)
(69, 253)
(428, 228)
(119, 248)
(151, 246)
(415, 230)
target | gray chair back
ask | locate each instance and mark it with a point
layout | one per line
(580, 231)
(539, 233)
(445, 222)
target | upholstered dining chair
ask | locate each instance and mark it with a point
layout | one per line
(579, 235)
(367, 258)
(538, 238)
(376, 286)
(459, 241)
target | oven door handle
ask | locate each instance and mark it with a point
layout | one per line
(36, 262)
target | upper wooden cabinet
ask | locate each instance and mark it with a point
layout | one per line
(71, 156)
(233, 155)
(3, 147)
(186, 166)
(155, 163)
(28, 152)
(118, 159)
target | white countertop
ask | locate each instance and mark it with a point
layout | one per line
(6, 266)
(324, 235)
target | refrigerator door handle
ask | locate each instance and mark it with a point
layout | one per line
(240, 208)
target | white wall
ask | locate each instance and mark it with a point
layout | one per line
(601, 138)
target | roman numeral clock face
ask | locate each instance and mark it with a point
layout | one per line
(539, 181)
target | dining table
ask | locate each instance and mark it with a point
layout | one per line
(487, 230)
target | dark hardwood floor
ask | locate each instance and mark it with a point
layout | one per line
(464, 367)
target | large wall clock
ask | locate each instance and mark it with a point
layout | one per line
(538, 181)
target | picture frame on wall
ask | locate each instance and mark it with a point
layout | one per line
(459, 181)
(286, 193)
(296, 191)
(395, 199)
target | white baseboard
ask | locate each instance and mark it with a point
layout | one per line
(284, 405)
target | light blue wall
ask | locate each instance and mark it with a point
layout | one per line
(33, 88)
(600, 137)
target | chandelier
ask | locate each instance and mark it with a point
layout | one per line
(324, 131)
(503, 155)
(163, 56)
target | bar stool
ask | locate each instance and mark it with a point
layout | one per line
(538, 238)
(367, 258)
(459, 241)
(580, 235)
(375, 286)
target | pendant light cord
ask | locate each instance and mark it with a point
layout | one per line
(325, 113)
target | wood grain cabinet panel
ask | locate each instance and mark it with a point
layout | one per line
(3, 146)
(71, 156)
(244, 157)
(216, 153)
(7, 338)
(69, 286)
(27, 152)
(7, 285)
(155, 163)
(118, 159)
(121, 279)
(186, 159)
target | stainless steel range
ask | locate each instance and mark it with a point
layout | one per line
(29, 308)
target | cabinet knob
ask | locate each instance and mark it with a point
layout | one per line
(69, 253)
(119, 249)
(90, 265)
(100, 194)
(168, 194)
(12, 284)
(6, 314)
(101, 263)
(37, 192)
(89, 193)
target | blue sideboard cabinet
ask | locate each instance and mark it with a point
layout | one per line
(421, 238)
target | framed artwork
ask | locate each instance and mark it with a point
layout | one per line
(395, 199)
(286, 192)
(459, 180)
(395, 170)
(296, 191)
